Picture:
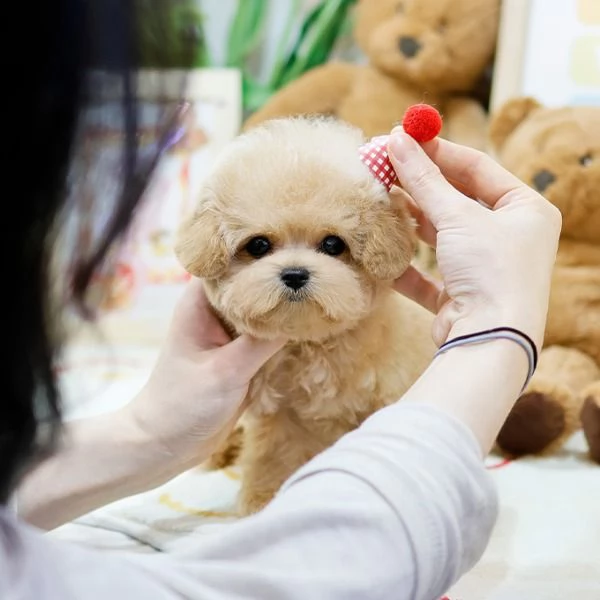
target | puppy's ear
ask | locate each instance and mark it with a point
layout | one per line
(389, 241)
(200, 246)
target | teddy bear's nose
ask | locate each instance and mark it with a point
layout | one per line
(295, 277)
(542, 180)
(409, 46)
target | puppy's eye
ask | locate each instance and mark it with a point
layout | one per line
(442, 25)
(258, 246)
(586, 160)
(332, 245)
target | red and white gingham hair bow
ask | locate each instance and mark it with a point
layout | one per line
(421, 121)
(374, 154)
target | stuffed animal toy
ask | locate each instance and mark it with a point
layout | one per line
(296, 236)
(557, 151)
(432, 51)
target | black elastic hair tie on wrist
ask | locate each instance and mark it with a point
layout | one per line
(487, 335)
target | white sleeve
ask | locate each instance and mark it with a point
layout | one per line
(399, 509)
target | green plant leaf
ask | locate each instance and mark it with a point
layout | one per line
(317, 39)
(246, 31)
(281, 60)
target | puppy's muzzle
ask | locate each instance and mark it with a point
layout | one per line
(295, 278)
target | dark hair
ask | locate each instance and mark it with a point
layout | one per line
(46, 97)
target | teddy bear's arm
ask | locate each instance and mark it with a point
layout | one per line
(549, 410)
(590, 419)
(318, 91)
(465, 122)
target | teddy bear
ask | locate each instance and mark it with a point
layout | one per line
(434, 51)
(557, 152)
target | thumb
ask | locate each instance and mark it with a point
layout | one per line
(249, 354)
(422, 178)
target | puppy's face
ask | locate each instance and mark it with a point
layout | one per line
(292, 235)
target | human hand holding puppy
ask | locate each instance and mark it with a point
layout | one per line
(196, 391)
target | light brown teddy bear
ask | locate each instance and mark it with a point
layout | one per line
(433, 51)
(557, 151)
(294, 237)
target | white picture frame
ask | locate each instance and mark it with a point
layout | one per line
(548, 49)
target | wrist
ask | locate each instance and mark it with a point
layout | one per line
(510, 334)
(509, 354)
(493, 361)
(531, 325)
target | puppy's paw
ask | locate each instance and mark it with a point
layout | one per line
(251, 501)
(228, 454)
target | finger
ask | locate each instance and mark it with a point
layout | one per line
(422, 179)
(427, 146)
(247, 354)
(194, 323)
(475, 172)
(425, 230)
(419, 287)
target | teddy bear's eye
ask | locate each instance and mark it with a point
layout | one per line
(258, 246)
(586, 160)
(332, 245)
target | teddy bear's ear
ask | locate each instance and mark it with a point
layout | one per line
(200, 246)
(390, 241)
(508, 117)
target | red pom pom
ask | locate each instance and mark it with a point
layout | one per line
(422, 122)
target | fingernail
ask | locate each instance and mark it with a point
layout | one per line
(402, 147)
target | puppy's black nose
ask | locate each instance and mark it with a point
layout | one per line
(295, 277)
(409, 46)
(542, 180)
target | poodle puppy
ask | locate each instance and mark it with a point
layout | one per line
(294, 237)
